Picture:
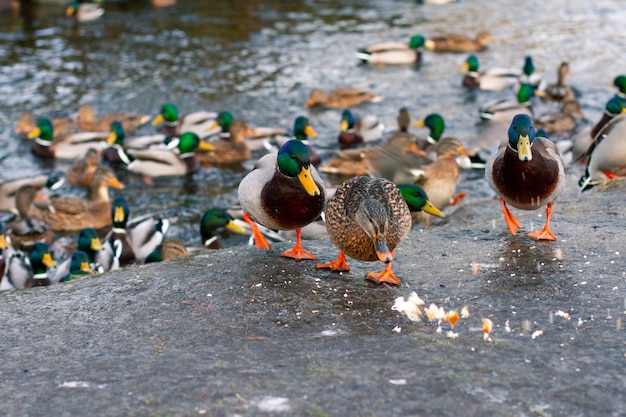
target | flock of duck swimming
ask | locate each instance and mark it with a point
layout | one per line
(394, 184)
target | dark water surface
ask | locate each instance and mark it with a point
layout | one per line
(260, 59)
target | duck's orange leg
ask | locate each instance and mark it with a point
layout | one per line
(259, 239)
(384, 276)
(297, 252)
(511, 221)
(340, 264)
(545, 233)
(455, 200)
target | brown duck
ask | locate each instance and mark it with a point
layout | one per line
(341, 97)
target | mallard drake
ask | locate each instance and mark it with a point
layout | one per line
(89, 243)
(560, 91)
(527, 173)
(366, 219)
(44, 184)
(41, 261)
(118, 244)
(61, 126)
(563, 121)
(73, 146)
(71, 214)
(341, 97)
(25, 231)
(79, 267)
(302, 131)
(173, 125)
(228, 150)
(214, 220)
(393, 52)
(354, 130)
(418, 201)
(607, 154)
(492, 79)
(283, 191)
(80, 173)
(89, 121)
(455, 42)
(439, 179)
(159, 162)
(221, 125)
(119, 144)
(83, 11)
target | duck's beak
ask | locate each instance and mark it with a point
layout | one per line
(307, 181)
(234, 227)
(308, 103)
(34, 133)
(463, 151)
(84, 266)
(416, 150)
(115, 183)
(70, 10)
(419, 123)
(382, 250)
(430, 209)
(429, 44)
(310, 132)
(524, 151)
(95, 244)
(118, 214)
(111, 138)
(47, 260)
(158, 120)
(3, 242)
(213, 125)
(465, 67)
(205, 146)
(343, 126)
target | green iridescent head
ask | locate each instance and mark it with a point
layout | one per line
(294, 161)
(116, 134)
(416, 42)
(436, 124)
(620, 83)
(417, 200)
(471, 63)
(225, 119)
(302, 129)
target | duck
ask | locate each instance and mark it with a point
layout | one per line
(146, 233)
(366, 219)
(529, 76)
(607, 154)
(527, 173)
(118, 245)
(62, 126)
(44, 184)
(80, 173)
(18, 273)
(83, 11)
(41, 262)
(455, 42)
(220, 127)
(173, 124)
(283, 192)
(79, 267)
(563, 121)
(228, 150)
(393, 52)
(620, 83)
(302, 131)
(212, 222)
(492, 79)
(90, 244)
(170, 249)
(560, 91)
(355, 131)
(341, 97)
(25, 231)
(439, 178)
(180, 160)
(119, 144)
(71, 214)
(89, 121)
(72, 147)
(417, 200)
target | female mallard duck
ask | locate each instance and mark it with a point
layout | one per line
(354, 131)
(459, 43)
(560, 91)
(41, 261)
(393, 52)
(83, 11)
(563, 121)
(62, 127)
(607, 154)
(89, 121)
(170, 249)
(73, 146)
(366, 219)
(25, 231)
(228, 150)
(159, 162)
(80, 173)
(72, 214)
(341, 97)
(492, 79)
(214, 220)
(44, 184)
(173, 124)
(527, 173)
(285, 192)
(439, 179)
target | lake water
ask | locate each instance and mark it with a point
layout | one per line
(260, 59)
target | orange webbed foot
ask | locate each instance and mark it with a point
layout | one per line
(384, 276)
(545, 233)
(340, 264)
(297, 252)
(511, 221)
(259, 239)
